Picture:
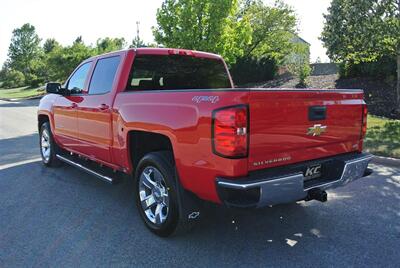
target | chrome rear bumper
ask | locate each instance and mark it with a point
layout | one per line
(291, 187)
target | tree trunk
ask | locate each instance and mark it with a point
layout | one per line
(398, 81)
(398, 63)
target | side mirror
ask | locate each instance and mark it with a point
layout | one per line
(54, 88)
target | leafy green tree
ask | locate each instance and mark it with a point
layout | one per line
(24, 49)
(40, 69)
(63, 60)
(208, 25)
(104, 45)
(272, 43)
(137, 42)
(273, 28)
(358, 31)
(31, 64)
(37, 74)
(50, 44)
(3, 71)
(78, 40)
(13, 78)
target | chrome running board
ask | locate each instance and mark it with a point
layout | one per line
(86, 169)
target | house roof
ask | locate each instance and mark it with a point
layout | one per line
(298, 39)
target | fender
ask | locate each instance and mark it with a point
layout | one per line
(46, 108)
(187, 124)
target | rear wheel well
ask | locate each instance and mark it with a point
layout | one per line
(142, 143)
(42, 119)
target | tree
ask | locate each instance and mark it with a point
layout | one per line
(363, 31)
(49, 45)
(272, 43)
(208, 25)
(63, 60)
(298, 63)
(13, 78)
(3, 71)
(137, 42)
(273, 28)
(78, 40)
(104, 45)
(29, 63)
(24, 49)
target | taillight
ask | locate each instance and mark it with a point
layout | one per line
(364, 120)
(180, 52)
(230, 132)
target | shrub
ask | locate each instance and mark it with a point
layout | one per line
(381, 68)
(299, 65)
(303, 73)
(13, 79)
(253, 70)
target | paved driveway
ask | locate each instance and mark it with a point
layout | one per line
(63, 217)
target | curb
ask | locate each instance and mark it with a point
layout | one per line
(387, 161)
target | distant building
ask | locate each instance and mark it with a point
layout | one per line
(303, 47)
(298, 39)
(302, 51)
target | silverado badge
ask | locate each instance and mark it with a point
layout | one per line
(316, 130)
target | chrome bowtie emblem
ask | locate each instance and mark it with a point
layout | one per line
(194, 215)
(316, 130)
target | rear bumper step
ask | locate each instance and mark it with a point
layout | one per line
(264, 191)
(76, 163)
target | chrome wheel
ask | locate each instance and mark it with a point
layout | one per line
(45, 145)
(153, 194)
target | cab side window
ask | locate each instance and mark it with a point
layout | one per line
(104, 75)
(77, 81)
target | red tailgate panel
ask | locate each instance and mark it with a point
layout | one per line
(279, 123)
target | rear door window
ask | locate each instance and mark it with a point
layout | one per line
(155, 72)
(104, 75)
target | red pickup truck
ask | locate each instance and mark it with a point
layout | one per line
(173, 120)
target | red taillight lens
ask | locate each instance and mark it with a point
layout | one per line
(364, 120)
(230, 132)
(180, 52)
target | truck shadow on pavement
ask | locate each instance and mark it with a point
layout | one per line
(64, 216)
(19, 149)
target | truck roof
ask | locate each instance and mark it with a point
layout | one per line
(164, 51)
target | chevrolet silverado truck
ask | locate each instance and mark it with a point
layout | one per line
(173, 121)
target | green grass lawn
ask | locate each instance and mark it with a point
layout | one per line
(19, 93)
(383, 137)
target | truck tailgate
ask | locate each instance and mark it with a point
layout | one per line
(288, 126)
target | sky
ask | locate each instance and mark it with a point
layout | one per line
(67, 19)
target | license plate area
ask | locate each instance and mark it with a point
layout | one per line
(312, 172)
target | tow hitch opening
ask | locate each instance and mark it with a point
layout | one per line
(318, 195)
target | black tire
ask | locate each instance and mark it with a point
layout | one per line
(174, 223)
(49, 158)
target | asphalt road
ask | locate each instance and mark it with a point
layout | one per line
(64, 217)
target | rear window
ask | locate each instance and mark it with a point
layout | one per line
(154, 72)
(103, 75)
